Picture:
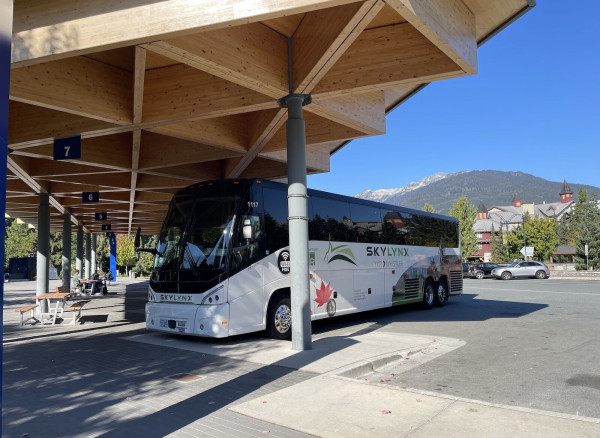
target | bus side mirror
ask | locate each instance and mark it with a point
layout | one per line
(136, 242)
(247, 230)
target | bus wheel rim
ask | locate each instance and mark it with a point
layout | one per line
(283, 319)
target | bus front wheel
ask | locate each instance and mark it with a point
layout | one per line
(279, 324)
(428, 294)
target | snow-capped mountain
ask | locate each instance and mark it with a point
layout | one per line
(383, 195)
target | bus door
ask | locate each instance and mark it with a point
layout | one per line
(246, 282)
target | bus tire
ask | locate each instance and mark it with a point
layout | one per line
(279, 318)
(428, 294)
(441, 296)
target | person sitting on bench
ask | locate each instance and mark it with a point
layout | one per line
(75, 283)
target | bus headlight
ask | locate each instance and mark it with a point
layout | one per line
(217, 296)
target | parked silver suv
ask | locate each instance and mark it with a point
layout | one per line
(522, 268)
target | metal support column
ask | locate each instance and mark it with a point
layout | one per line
(88, 254)
(6, 19)
(66, 251)
(43, 248)
(112, 240)
(79, 251)
(94, 266)
(298, 221)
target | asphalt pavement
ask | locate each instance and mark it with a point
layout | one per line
(107, 376)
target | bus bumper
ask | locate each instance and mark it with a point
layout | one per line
(209, 321)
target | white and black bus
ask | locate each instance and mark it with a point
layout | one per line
(222, 262)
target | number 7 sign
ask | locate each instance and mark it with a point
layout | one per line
(67, 148)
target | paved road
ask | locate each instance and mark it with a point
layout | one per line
(529, 343)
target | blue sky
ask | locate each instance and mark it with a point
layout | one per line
(534, 107)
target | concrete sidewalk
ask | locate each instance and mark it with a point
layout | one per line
(109, 377)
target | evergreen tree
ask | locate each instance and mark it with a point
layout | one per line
(565, 232)
(429, 208)
(587, 227)
(56, 245)
(499, 248)
(466, 213)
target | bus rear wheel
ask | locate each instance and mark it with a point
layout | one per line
(441, 297)
(279, 323)
(428, 294)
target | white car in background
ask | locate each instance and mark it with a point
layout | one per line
(522, 268)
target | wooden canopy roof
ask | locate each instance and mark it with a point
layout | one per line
(167, 93)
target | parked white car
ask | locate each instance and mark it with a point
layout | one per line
(522, 269)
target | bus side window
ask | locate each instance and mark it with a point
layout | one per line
(247, 241)
(366, 222)
(331, 221)
(276, 222)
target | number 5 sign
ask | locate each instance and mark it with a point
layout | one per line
(67, 148)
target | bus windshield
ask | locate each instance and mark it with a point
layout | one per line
(170, 236)
(207, 239)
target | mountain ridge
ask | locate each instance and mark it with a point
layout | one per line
(492, 187)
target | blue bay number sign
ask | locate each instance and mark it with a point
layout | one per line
(67, 148)
(105, 227)
(100, 216)
(90, 197)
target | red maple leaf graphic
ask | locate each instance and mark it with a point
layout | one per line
(323, 294)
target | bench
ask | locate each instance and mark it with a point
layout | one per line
(23, 310)
(76, 309)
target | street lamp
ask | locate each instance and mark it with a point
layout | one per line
(524, 239)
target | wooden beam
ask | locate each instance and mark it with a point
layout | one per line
(180, 152)
(193, 172)
(265, 168)
(44, 30)
(139, 73)
(318, 130)
(250, 55)
(317, 158)
(362, 112)
(386, 58)
(225, 132)
(111, 152)
(79, 86)
(448, 24)
(265, 125)
(175, 93)
(117, 180)
(154, 182)
(34, 125)
(46, 169)
(152, 197)
(62, 188)
(323, 36)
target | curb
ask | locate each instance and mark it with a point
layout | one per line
(361, 368)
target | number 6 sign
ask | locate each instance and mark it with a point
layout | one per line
(90, 197)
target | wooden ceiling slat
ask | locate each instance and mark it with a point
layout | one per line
(323, 36)
(79, 86)
(386, 58)
(80, 27)
(449, 25)
(251, 55)
(179, 92)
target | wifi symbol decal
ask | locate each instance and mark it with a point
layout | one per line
(283, 262)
